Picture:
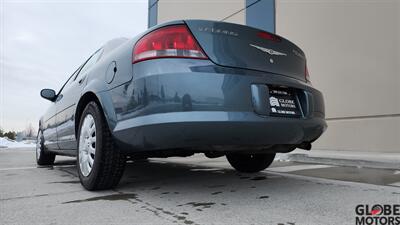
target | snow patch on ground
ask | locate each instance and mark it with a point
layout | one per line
(8, 143)
(282, 157)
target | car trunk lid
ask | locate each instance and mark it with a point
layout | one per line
(239, 46)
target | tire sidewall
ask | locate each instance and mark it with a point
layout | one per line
(41, 147)
(46, 158)
(90, 180)
(246, 164)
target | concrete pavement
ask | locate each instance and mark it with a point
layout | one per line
(193, 190)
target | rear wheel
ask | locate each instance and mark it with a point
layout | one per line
(250, 163)
(43, 157)
(100, 163)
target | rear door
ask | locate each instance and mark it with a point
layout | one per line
(67, 102)
(62, 106)
(234, 45)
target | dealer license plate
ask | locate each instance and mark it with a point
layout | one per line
(283, 102)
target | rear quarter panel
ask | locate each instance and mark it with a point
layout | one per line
(102, 78)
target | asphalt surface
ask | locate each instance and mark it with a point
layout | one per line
(193, 190)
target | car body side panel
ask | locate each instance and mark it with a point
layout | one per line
(49, 128)
(66, 107)
(120, 59)
(92, 80)
(99, 82)
(65, 129)
(97, 87)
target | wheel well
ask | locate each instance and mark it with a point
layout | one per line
(85, 99)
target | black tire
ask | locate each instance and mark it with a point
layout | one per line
(43, 157)
(109, 163)
(250, 163)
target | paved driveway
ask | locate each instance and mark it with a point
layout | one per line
(193, 190)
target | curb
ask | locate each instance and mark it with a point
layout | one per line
(346, 159)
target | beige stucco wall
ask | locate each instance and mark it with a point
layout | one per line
(201, 9)
(353, 51)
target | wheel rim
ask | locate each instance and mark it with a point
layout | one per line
(38, 145)
(87, 145)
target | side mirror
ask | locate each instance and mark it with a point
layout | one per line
(48, 94)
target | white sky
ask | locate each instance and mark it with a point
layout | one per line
(43, 42)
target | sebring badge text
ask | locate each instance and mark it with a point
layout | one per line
(378, 214)
(218, 31)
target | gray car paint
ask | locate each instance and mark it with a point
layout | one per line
(187, 103)
(152, 114)
(229, 44)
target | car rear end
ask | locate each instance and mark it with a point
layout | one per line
(205, 85)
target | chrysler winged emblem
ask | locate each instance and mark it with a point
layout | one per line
(267, 50)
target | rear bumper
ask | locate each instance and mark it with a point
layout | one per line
(200, 130)
(183, 104)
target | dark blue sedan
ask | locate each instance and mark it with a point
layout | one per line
(182, 88)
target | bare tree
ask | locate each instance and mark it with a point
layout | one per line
(30, 131)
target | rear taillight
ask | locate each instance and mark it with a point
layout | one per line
(168, 42)
(306, 74)
(269, 36)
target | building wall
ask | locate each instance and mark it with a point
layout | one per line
(221, 10)
(353, 51)
(256, 13)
